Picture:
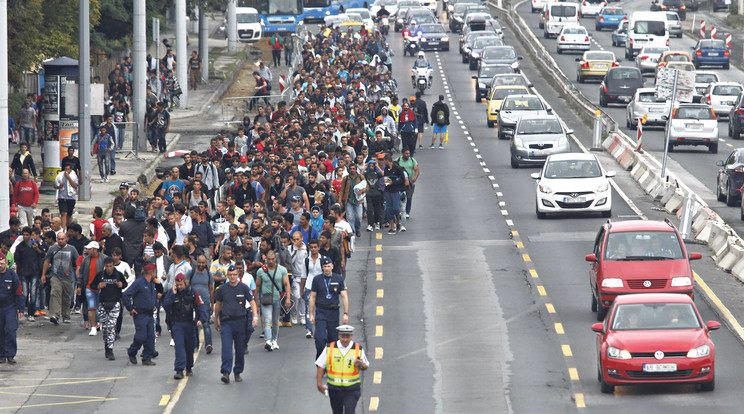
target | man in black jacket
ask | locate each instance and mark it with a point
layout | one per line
(440, 120)
(28, 257)
(132, 231)
(110, 282)
(422, 115)
(394, 178)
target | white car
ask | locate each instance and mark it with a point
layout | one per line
(646, 104)
(369, 24)
(721, 96)
(693, 124)
(648, 58)
(703, 78)
(573, 38)
(573, 182)
(539, 5)
(591, 7)
(430, 4)
(390, 5)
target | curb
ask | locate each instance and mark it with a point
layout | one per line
(149, 174)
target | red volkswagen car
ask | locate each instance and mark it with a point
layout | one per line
(638, 257)
(655, 338)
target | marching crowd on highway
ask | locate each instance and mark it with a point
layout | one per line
(253, 233)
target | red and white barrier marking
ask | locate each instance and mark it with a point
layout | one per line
(176, 153)
(702, 29)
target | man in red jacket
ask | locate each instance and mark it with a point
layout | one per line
(26, 196)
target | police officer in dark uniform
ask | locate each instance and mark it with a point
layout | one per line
(140, 300)
(324, 294)
(12, 303)
(229, 320)
(182, 303)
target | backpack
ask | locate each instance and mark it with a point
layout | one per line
(140, 214)
(441, 117)
(307, 263)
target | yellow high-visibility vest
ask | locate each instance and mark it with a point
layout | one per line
(341, 369)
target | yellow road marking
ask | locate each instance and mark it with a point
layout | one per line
(579, 397)
(57, 403)
(378, 247)
(85, 397)
(550, 307)
(378, 260)
(520, 245)
(374, 402)
(559, 328)
(515, 233)
(379, 276)
(379, 236)
(86, 381)
(566, 350)
(182, 383)
(378, 352)
(164, 399)
(573, 373)
(378, 330)
(526, 257)
(377, 377)
(724, 310)
(533, 272)
(542, 291)
(380, 293)
(380, 310)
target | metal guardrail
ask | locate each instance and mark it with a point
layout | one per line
(129, 140)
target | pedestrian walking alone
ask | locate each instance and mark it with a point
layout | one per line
(342, 361)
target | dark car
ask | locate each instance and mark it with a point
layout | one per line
(500, 55)
(711, 52)
(720, 5)
(730, 178)
(456, 18)
(691, 5)
(473, 58)
(484, 78)
(619, 85)
(466, 41)
(433, 37)
(670, 5)
(736, 117)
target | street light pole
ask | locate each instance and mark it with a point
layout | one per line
(139, 63)
(181, 54)
(84, 130)
(4, 175)
(669, 125)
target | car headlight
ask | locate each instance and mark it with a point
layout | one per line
(423, 39)
(518, 143)
(400, 20)
(544, 188)
(612, 282)
(617, 353)
(699, 352)
(602, 188)
(681, 281)
(450, 8)
(481, 85)
(562, 141)
(444, 39)
(458, 19)
(473, 54)
(515, 65)
(328, 12)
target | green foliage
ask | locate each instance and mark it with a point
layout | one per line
(24, 39)
(15, 100)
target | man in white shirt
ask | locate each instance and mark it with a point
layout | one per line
(183, 224)
(345, 352)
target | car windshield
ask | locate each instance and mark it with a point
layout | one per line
(649, 97)
(499, 53)
(523, 104)
(572, 169)
(693, 112)
(385, 2)
(643, 245)
(488, 41)
(574, 30)
(652, 27)
(705, 77)
(502, 93)
(563, 11)
(672, 17)
(539, 126)
(599, 56)
(727, 90)
(653, 50)
(625, 74)
(435, 29)
(490, 71)
(509, 80)
(677, 58)
(711, 44)
(460, 9)
(646, 316)
(408, 4)
(615, 11)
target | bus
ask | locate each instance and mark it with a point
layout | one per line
(317, 10)
(279, 16)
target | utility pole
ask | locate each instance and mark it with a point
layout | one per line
(84, 131)
(204, 44)
(4, 176)
(139, 66)
(232, 27)
(181, 53)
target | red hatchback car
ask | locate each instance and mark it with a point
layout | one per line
(655, 338)
(638, 257)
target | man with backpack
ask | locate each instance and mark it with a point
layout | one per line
(101, 147)
(440, 119)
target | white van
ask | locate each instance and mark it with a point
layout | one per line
(646, 29)
(249, 25)
(557, 15)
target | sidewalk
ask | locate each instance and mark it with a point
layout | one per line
(141, 171)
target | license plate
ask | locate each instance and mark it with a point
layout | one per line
(655, 110)
(574, 200)
(537, 153)
(727, 102)
(600, 66)
(624, 98)
(713, 54)
(659, 367)
(694, 127)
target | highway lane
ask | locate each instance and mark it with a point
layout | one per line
(694, 164)
(557, 248)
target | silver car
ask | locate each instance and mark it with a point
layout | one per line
(674, 24)
(516, 106)
(703, 78)
(537, 137)
(644, 103)
(721, 96)
(648, 58)
(693, 124)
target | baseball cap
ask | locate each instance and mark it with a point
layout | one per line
(92, 245)
(243, 158)
(324, 261)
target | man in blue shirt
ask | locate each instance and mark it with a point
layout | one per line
(325, 293)
(140, 300)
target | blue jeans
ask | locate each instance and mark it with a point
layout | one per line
(104, 165)
(185, 339)
(233, 332)
(112, 159)
(30, 292)
(27, 135)
(354, 216)
(308, 325)
(271, 313)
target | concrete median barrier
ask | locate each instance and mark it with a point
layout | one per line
(730, 254)
(675, 201)
(719, 233)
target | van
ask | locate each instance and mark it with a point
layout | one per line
(646, 29)
(558, 15)
(249, 25)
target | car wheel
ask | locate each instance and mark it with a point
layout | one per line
(607, 213)
(736, 133)
(604, 387)
(477, 96)
(579, 78)
(719, 195)
(594, 303)
(713, 148)
(540, 215)
(614, 43)
(489, 123)
(514, 163)
(726, 66)
(708, 386)
(670, 147)
(545, 34)
(541, 26)
(602, 100)
(730, 198)
(730, 132)
(464, 58)
(601, 312)
(558, 50)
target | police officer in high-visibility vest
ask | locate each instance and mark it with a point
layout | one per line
(12, 303)
(183, 303)
(326, 292)
(342, 360)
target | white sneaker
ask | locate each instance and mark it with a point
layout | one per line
(172, 343)
(377, 226)
(93, 331)
(302, 320)
(369, 228)
(293, 319)
(31, 318)
(308, 334)
(274, 345)
(402, 228)
(408, 216)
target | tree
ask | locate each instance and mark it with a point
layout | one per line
(24, 38)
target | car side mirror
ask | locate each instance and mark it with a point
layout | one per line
(569, 132)
(719, 163)
(549, 110)
(475, 77)
(578, 59)
(713, 325)
(664, 117)
(695, 256)
(599, 327)
(618, 60)
(519, 57)
(529, 85)
(610, 174)
(591, 257)
(692, 47)
(536, 176)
